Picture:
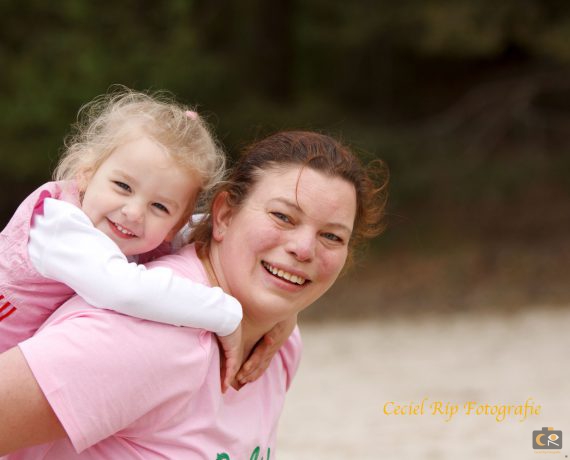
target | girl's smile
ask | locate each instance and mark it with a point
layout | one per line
(120, 231)
(138, 195)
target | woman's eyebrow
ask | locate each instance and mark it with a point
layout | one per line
(295, 206)
(287, 202)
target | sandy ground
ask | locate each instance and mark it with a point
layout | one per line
(335, 409)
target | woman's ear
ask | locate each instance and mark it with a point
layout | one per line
(222, 214)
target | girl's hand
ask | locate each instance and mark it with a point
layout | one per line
(231, 360)
(264, 351)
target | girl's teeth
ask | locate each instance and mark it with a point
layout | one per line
(124, 231)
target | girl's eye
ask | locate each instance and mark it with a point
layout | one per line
(281, 216)
(122, 185)
(332, 237)
(161, 207)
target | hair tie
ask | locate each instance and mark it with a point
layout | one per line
(191, 114)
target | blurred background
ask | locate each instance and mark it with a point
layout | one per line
(468, 102)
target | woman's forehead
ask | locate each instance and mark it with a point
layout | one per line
(309, 190)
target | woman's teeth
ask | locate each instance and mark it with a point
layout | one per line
(283, 274)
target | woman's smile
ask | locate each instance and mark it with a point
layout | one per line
(295, 278)
(286, 245)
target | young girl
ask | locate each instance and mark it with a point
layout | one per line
(126, 184)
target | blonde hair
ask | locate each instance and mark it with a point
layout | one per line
(120, 115)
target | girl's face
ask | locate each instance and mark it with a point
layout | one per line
(286, 245)
(138, 196)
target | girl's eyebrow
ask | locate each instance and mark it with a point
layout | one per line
(124, 175)
(295, 206)
(173, 205)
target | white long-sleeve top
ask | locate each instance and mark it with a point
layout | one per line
(65, 246)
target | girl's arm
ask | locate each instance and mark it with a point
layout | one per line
(27, 418)
(65, 246)
(265, 350)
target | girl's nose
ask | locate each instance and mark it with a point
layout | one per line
(133, 211)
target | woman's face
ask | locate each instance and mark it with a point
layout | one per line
(286, 245)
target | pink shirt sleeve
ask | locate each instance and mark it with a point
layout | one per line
(111, 386)
(290, 354)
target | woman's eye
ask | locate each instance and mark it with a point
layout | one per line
(122, 185)
(332, 237)
(281, 216)
(161, 207)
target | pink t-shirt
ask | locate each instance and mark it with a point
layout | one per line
(125, 388)
(26, 297)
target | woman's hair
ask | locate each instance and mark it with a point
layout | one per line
(122, 115)
(316, 151)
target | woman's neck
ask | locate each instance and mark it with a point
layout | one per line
(252, 331)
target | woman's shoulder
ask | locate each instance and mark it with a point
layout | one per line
(290, 354)
(114, 344)
(99, 360)
(185, 262)
(76, 315)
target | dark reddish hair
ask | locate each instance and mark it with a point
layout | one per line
(316, 151)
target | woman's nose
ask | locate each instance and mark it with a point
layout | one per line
(302, 245)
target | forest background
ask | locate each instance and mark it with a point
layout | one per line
(467, 101)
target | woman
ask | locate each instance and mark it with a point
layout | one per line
(95, 384)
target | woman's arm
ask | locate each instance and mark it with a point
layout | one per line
(100, 372)
(27, 418)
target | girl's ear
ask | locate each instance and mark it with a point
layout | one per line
(222, 214)
(83, 178)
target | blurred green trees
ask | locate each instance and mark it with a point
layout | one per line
(468, 101)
